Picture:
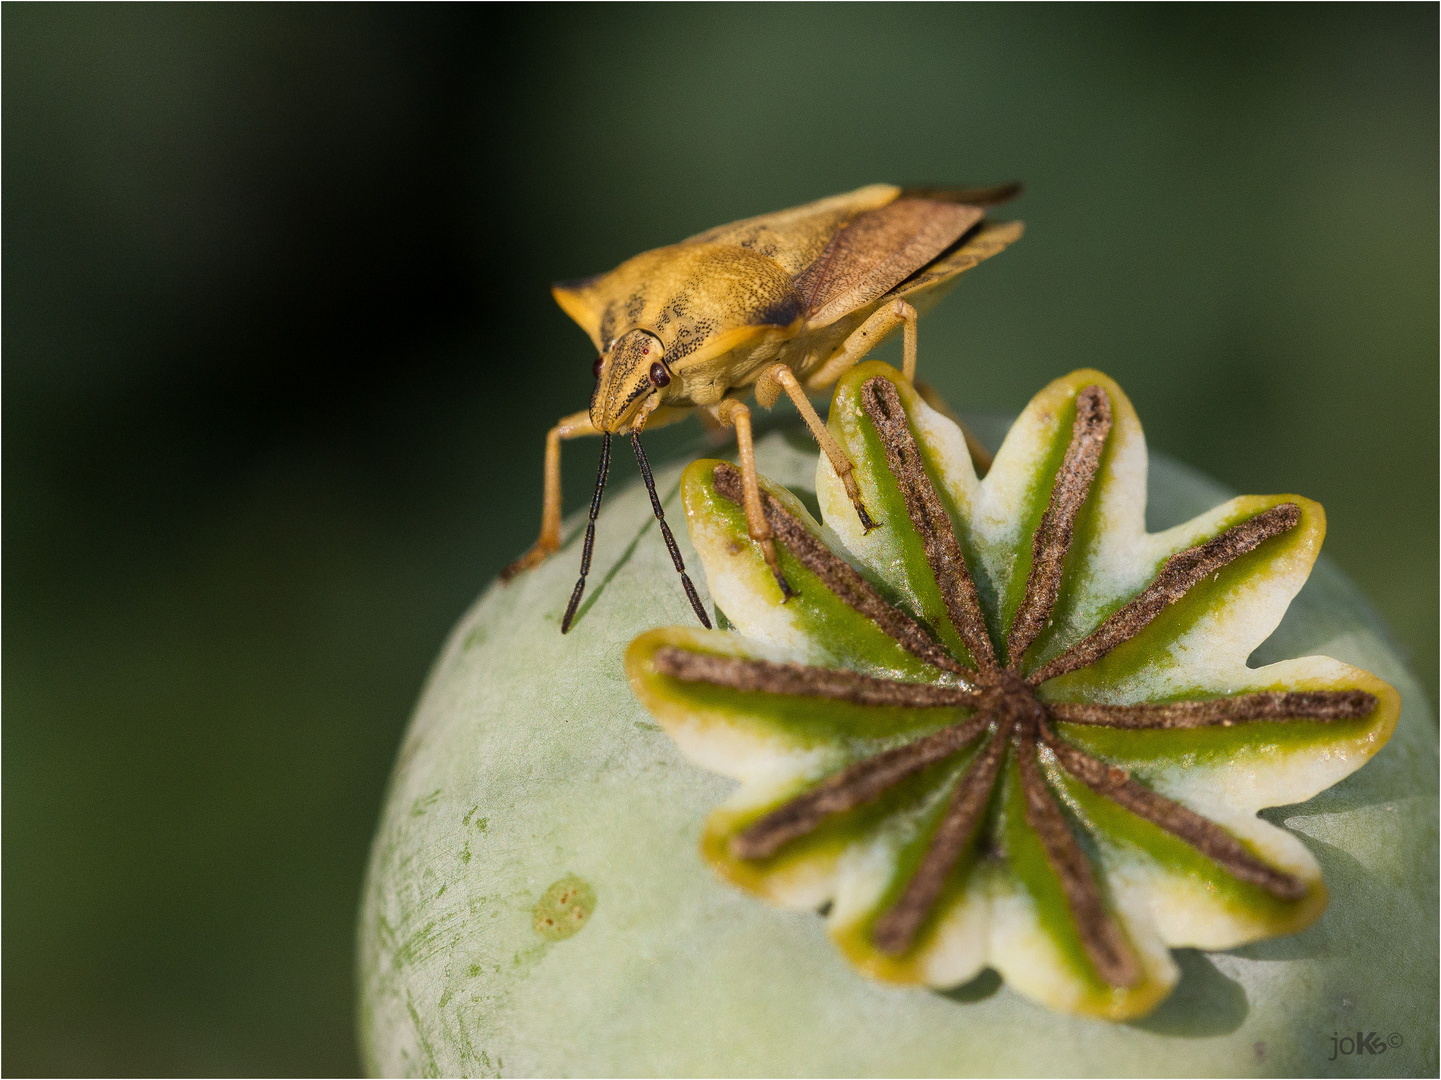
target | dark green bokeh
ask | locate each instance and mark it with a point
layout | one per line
(279, 357)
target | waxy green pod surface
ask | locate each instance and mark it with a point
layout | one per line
(537, 903)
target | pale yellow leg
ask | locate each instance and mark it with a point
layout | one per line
(865, 338)
(738, 416)
(571, 427)
(837, 457)
(908, 342)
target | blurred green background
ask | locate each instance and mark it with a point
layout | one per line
(279, 357)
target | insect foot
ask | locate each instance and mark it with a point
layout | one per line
(1012, 728)
(529, 561)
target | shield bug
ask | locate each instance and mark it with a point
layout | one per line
(783, 303)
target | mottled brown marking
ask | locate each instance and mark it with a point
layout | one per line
(837, 684)
(1053, 536)
(794, 238)
(981, 243)
(1102, 939)
(839, 576)
(882, 404)
(623, 379)
(1202, 834)
(861, 783)
(1321, 705)
(1182, 572)
(895, 931)
(879, 250)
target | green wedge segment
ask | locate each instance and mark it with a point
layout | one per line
(1003, 905)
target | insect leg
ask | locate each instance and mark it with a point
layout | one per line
(837, 457)
(738, 416)
(908, 343)
(570, 427)
(865, 338)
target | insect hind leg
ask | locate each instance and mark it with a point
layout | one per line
(881, 324)
(834, 454)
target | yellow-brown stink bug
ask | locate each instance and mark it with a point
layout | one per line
(782, 303)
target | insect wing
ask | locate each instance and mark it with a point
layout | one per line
(924, 288)
(794, 238)
(791, 238)
(849, 249)
(977, 196)
(878, 251)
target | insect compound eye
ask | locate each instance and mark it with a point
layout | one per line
(595, 367)
(659, 376)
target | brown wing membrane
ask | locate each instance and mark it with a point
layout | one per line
(932, 281)
(976, 196)
(878, 251)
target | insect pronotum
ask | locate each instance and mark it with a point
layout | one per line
(784, 303)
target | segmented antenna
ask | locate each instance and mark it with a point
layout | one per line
(685, 581)
(589, 535)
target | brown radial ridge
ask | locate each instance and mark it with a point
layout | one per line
(1005, 715)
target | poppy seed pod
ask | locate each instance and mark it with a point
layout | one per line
(537, 901)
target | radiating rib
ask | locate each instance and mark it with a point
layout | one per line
(923, 506)
(1205, 836)
(837, 684)
(1052, 538)
(895, 931)
(1102, 939)
(1290, 705)
(1182, 572)
(838, 575)
(861, 783)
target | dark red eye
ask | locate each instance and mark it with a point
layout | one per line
(595, 367)
(659, 376)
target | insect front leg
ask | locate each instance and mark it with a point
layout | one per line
(571, 427)
(834, 454)
(865, 338)
(738, 416)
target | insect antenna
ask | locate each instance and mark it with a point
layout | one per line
(589, 535)
(685, 581)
